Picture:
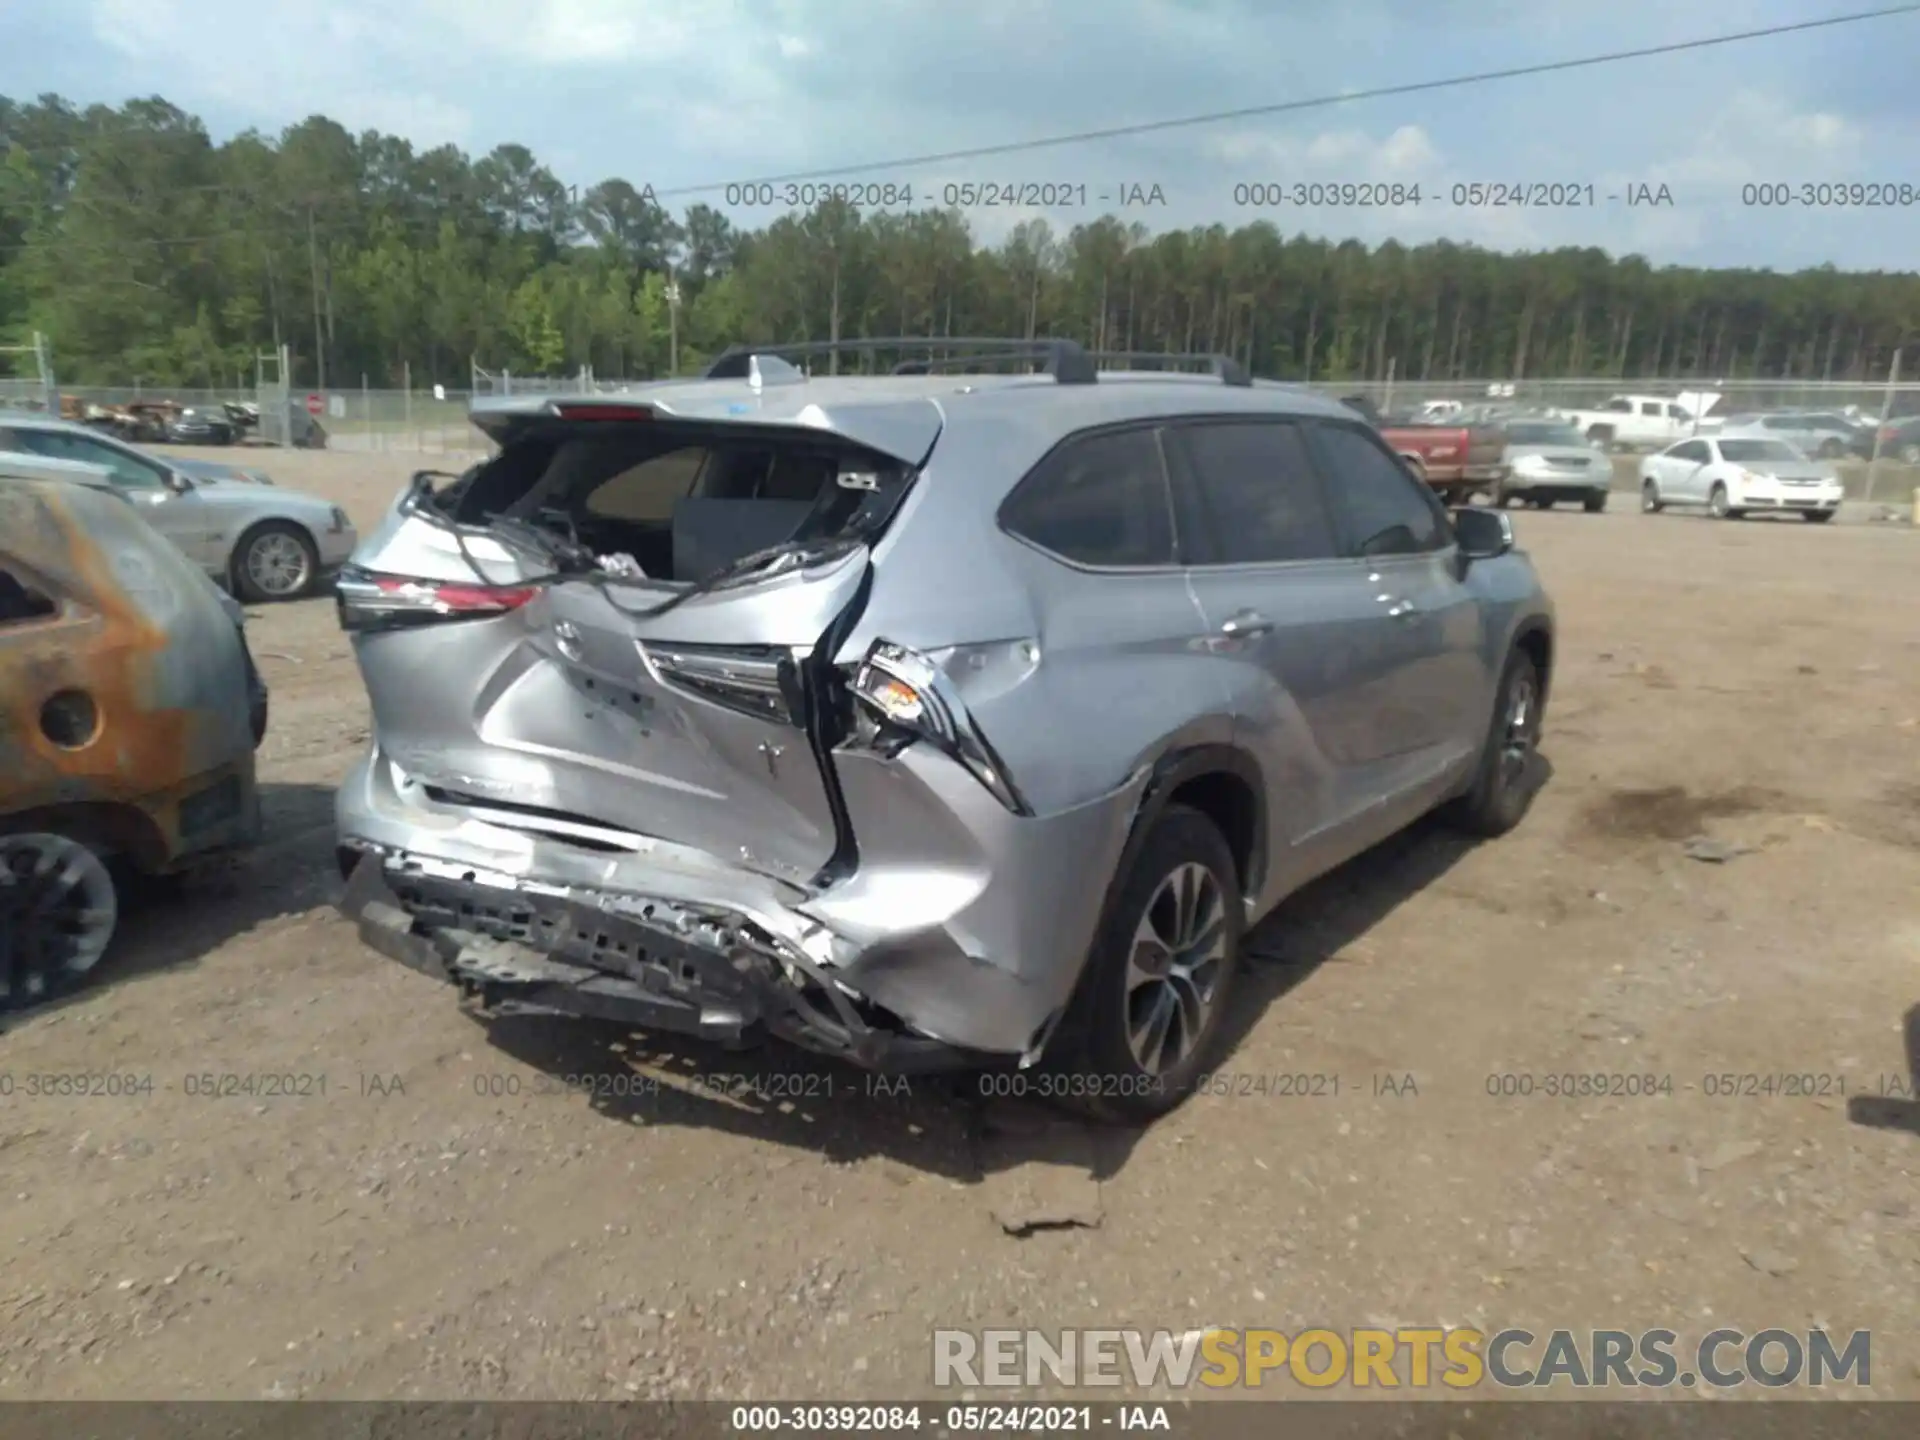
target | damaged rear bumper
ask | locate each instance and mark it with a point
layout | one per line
(518, 951)
(955, 943)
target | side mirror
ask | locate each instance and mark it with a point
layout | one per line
(1483, 534)
(178, 483)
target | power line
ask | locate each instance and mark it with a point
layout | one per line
(1319, 102)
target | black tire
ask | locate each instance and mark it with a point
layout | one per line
(59, 908)
(1601, 435)
(1818, 517)
(1594, 504)
(1650, 501)
(274, 535)
(1505, 781)
(1096, 1070)
(1717, 505)
(1832, 449)
(1540, 502)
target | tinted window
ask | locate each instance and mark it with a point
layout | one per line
(1385, 510)
(646, 491)
(1542, 433)
(1257, 493)
(1741, 451)
(1692, 450)
(127, 469)
(1101, 500)
(1649, 407)
(1618, 405)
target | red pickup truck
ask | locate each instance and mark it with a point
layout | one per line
(1458, 461)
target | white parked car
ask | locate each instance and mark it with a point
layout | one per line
(1736, 477)
(1643, 421)
(260, 540)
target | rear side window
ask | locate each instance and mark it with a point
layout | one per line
(1256, 492)
(21, 602)
(1381, 508)
(646, 491)
(1098, 500)
(128, 470)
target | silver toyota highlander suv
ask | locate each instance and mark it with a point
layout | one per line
(930, 720)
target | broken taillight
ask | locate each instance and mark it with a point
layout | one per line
(907, 693)
(369, 601)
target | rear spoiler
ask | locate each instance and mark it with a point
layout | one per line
(902, 429)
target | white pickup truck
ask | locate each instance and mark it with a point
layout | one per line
(1645, 422)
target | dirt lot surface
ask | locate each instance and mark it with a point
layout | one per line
(449, 1218)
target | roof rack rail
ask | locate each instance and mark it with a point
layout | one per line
(1229, 370)
(1066, 361)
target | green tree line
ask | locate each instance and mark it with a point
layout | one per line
(147, 251)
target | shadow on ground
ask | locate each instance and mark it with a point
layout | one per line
(967, 1127)
(175, 921)
(1895, 1112)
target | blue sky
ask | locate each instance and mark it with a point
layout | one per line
(687, 93)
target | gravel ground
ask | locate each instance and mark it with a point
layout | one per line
(442, 1213)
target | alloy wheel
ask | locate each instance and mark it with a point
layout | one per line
(1174, 968)
(1520, 728)
(277, 563)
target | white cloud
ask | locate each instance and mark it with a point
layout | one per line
(1322, 155)
(679, 93)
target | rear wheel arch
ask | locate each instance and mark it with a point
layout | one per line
(115, 829)
(1535, 640)
(1224, 784)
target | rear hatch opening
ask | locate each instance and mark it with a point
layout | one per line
(671, 503)
(622, 625)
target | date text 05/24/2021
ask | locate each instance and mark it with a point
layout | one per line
(1460, 195)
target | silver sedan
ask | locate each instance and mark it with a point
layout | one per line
(258, 539)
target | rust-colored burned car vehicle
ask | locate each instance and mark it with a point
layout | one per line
(130, 710)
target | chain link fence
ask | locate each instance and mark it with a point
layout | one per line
(434, 421)
(1860, 400)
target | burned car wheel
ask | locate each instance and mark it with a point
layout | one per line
(57, 915)
(1160, 978)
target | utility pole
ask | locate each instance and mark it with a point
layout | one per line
(673, 323)
(1886, 416)
(319, 345)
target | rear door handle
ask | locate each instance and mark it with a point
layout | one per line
(1243, 624)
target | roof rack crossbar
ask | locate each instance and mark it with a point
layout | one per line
(1066, 361)
(1229, 370)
